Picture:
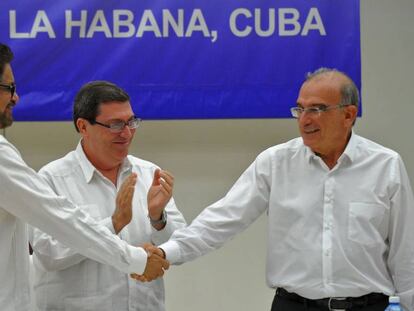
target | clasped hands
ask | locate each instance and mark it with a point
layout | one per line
(156, 264)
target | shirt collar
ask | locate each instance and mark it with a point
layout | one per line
(349, 151)
(126, 167)
(309, 154)
(89, 169)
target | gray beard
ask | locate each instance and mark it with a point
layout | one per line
(5, 121)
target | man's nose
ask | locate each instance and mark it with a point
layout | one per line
(304, 118)
(126, 132)
(15, 98)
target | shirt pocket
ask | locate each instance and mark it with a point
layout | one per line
(91, 303)
(364, 220)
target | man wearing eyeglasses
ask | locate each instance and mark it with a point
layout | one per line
(6, 118)
(26, 197)
(89, 176)
(338, 208)
(8, 95)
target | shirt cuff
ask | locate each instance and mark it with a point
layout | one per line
(138, 259)
(172, 251)
(160, 236)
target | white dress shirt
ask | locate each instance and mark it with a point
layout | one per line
(66, 280)
(26, 197)
(343, 232)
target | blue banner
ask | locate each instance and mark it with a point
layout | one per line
(178, 59)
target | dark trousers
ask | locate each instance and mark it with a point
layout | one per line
(285, 304)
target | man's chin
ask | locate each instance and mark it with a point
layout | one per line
(307, 142)
(5, 122)
(120, 155)
(311, 144)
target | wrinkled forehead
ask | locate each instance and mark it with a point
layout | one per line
(333, 79)
(320, 90)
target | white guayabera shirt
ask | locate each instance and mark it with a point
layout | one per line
(344, 232)
(26, 197)
(65, 279)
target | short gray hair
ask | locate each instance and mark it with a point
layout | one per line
(349, 91)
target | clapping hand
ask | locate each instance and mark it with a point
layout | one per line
(123, 211)
(159, 194)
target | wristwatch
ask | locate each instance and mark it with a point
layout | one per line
(160, 221)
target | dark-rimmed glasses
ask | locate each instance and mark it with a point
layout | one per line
(9, 87)
(119, 125)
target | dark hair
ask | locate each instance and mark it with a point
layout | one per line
(349, 91)
(92, 95)
(6, 56)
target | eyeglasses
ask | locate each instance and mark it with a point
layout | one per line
(118, 126)
(9, 87)
(314, 110)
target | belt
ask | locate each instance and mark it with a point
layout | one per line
(335, 303)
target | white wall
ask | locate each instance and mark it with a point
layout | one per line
(208, 156)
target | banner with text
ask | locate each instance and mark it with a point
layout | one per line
(178, 59)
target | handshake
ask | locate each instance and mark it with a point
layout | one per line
(156, 264)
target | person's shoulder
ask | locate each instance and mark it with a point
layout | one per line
(367, 145)
(141, 163)
(5, 144)
(283, 149)
(61, 167)
(7, 149)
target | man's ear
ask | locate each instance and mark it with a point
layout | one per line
(82, 125)
(351, 112)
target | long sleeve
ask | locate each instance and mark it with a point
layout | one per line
(219, 222)
(401, 237)
(28, 197)
(55, 255)
(52, 254)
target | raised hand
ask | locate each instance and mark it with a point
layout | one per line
(123, 211)
(159, 194)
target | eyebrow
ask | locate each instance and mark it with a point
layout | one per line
(312, 105)
(120, 120)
